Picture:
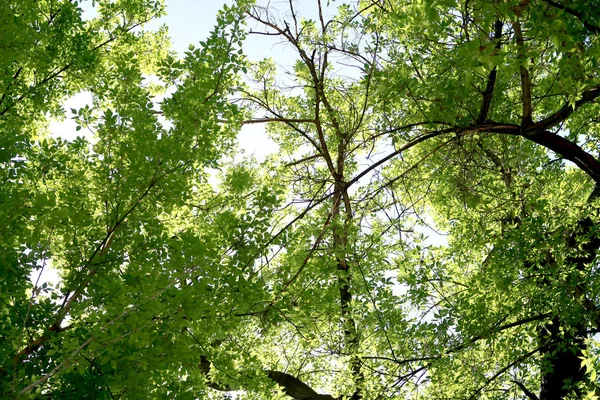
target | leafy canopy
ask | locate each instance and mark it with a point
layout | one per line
(427, 229)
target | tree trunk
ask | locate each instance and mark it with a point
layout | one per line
(561, 361)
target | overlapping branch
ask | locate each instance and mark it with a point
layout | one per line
(289, 384)
(586, 23)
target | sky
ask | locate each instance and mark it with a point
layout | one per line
(190, 21)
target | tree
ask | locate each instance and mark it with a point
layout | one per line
(533, 58)
(312, 272)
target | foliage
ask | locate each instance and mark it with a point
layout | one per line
(428, 228)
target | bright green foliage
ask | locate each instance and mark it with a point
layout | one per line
(428, 228)
(113, 211)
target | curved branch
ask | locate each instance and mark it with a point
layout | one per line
(519, 360)
(569, 150)
(566, 110)
(527, 392)
(295, 388)
(396, 153)
(537, 134)
(290, 385)
(593, 28)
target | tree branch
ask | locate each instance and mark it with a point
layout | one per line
(593, 28)
(525, 79)
(566, 110)
(57, 71)
(491, 82)
(74, 298)
(290, 385)
(527, 392)
(275, 119)
(57, 368)
(569, 150)
(295, 388)
(502, 371)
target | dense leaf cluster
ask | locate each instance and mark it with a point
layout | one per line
(427, 229)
